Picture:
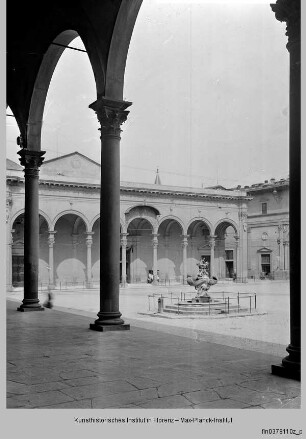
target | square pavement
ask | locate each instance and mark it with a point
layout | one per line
(55, 361)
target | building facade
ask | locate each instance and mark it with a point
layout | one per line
(165, 229)
(268, 229)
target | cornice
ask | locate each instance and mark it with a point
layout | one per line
(124, 189)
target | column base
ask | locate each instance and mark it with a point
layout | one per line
(285, 372)
(291, 365)
(109, 321)
(105, 328)
(30, 308)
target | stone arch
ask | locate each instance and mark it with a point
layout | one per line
(223, 224)
(196, 222)
(199, 232)
(146, 212)
(170, 250)
(226, 248)
(70, 250)
(119, 46)
(139, 239)
(41, 87)
(173, 219)
(41, 213)
(72, 212)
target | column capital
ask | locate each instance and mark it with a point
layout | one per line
(185, 240)
(212, 240)
(290, 12)
(31, 160)
(89, 236)
(111, 115)
(242, 215)
(51, 238)
(155, 239)
(124, 239)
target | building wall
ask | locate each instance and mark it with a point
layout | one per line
(61, 206)
(170, 215)
(268, 232)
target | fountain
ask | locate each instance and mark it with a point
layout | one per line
(202, 282)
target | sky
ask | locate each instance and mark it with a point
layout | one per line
(209, 82)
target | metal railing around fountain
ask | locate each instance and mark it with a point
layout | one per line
(226, 302)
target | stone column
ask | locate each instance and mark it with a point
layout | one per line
(185, 245)
(155, 245)
(88, 261)
(289, 11)
(243, 245)
(280, 247)
(9, 273)
(75, 243)
(8, 242)
(286, 255)
(212, 242)
(238, 265)
(51, 241)
(123, 258)
(166, 244)
(31, 160)
(111, 114)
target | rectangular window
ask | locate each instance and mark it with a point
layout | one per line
(229, 255)
(264, 208)
(265, 264)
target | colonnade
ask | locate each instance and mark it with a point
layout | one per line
(111, 114)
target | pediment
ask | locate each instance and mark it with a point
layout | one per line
(74, 167)
(264, 250)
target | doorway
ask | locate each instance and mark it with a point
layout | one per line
(17, 271)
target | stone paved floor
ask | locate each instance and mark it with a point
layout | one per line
(55, 361)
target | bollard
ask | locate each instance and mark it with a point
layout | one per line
(255, 301)
(160, 304)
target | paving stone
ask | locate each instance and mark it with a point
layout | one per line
(142, 383)
(221, 404)
(42, 399)
(76, 382)
(76, 374)
(14, 403)
(169, 402)
(121, 399)
(248, 396)
(178, 387)
(202, 396)
(83, 404)
(275, 385)
(21, 389)
(294, 403)
(16, 388)
(57, 349)
(96, 390)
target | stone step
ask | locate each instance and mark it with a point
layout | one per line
(203, 310)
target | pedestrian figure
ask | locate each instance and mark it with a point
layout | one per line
(49, 302)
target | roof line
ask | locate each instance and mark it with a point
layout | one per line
(70, 154)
